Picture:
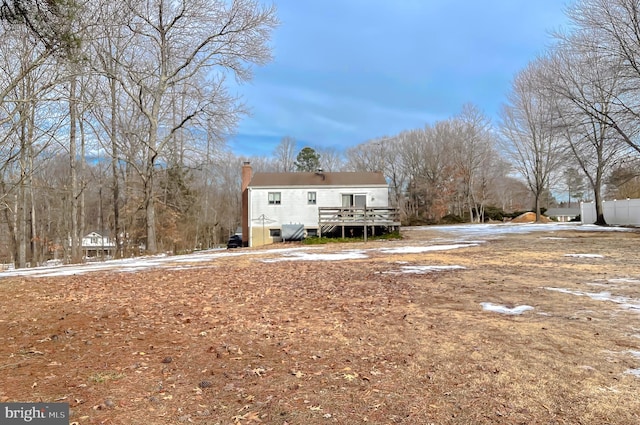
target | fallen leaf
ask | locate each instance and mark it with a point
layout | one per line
(350, 376)
(259, 371)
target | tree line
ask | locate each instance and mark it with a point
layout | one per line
(114, 119)
(112, 116)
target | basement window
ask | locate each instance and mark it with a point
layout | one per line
(274, 198)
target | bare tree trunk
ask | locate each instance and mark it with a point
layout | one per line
(35, 240)
(597, 184)
(22, 207)
(10, 218)
(76, 255)
(83, 183)
(150, 210)
(149, 190)
(600, 220)
(21, 212)
(152, 150)
(114, 168)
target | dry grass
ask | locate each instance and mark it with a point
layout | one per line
(246, 342)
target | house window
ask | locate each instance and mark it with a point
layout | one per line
(274, 198)
(274, 233)
(311, 198)
(358, 201)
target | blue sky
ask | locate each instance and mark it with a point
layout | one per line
(347, 71)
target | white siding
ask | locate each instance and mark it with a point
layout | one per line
(95, 240)
(295, 209)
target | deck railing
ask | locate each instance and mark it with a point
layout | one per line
(332, 217)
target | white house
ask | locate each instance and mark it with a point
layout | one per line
(563, 214)
(285, 206)
(96, 245)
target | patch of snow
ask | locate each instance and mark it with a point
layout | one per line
(615, 283)
(496, 230)
(68, 272)
(634, 372)
(189, 267)
(624, 302)
(303, 256)
(463, 236)
(505, 310)
(420, 249)
(142, 263)
(584, 255)
(133, 269)
(624, 280)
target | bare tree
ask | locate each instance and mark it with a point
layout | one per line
(188, 45)
(611, 29)
(573, 180)
(154, 97)
(624, 181)
(26, 127)
(472, 147)
(260, 164)
(110, 111)
(331, 159)
(582, 83)
(530, 137)
(426, 158)
(381, 155)
(285, 154)
(47, 20)
(367, 156)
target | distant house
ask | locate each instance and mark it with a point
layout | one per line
(96, 245)
(562, 214)
(290, 206)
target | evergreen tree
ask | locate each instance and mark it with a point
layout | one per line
(307, 160)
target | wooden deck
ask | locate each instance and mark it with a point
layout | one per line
(330, 218)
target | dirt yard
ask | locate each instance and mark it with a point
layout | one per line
(371, 338)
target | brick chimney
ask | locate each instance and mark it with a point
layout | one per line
(247, 173)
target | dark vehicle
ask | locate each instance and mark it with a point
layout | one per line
(235, 241)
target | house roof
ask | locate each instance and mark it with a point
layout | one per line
(318, 179)
(93, 234)
(562, 212)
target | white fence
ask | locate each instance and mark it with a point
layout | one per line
(624, 212)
